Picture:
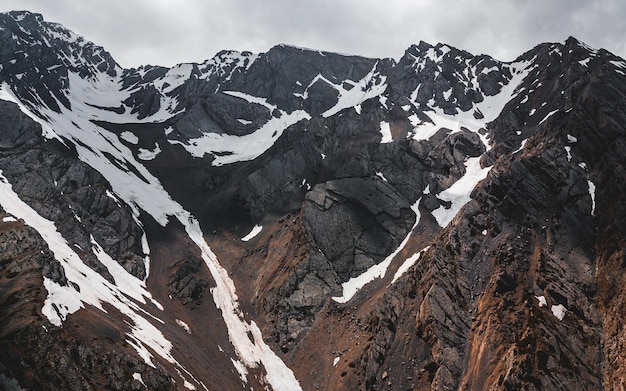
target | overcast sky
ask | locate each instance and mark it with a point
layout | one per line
(167, 32)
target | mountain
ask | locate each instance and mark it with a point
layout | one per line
(299, 219)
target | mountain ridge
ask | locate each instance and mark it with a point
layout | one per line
(418, 215)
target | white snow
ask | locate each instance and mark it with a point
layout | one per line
(336, 361)
(230, 149)
(251, 99)
(137, 376)
(9, 219)
(406, 265)
(352, 286)
(146, 154)
(93, 288)
(381, 176)
(542, 301)
(226, 64)
(548, 116)
(129, 137)
(571, 138)
(490, 107)
(383, 101)
(244, 121)
(184, 325)
(174, 78)
(585, 62)
(568, 150)
(7, 95)
(459, 192)
(522, 145)
(126, 282)
(358, 94)
(385, 131)
(559, 311)
(146, 194)
(241, 369)
(592, 194)
(254, 232)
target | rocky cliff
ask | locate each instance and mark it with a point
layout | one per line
(300, 219)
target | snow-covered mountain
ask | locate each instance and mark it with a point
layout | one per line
(307, 220)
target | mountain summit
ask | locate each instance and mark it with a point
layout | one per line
(299, 219)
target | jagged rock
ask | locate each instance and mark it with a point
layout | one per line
(369, 221)
(183, 282)
(69, 192)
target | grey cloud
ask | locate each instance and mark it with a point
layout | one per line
(167, 32)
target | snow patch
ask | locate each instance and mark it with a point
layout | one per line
(184, 325)
(406, 265)
(129, 137)
(542, 301)
(547, 116)
(490, 107)
(559, 311)
(137, 376)
(571, 138)
(353, 285)
(251, 99)
(254, 232)
(336, 361)
(231, 149)
(241, 369)
(372, 85)
(146, 154)
(381, 176)
(592, 194)
(522, 145)
(9, 219)
(459, 193)
(385, 131)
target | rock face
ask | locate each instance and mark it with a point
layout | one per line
(356, 222)
(446, 221)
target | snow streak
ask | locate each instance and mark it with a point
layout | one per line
(143, 192)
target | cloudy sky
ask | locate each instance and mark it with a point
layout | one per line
(167, 32)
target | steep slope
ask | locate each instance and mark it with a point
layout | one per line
(446, 221)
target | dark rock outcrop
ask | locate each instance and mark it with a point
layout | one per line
(368, 221)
